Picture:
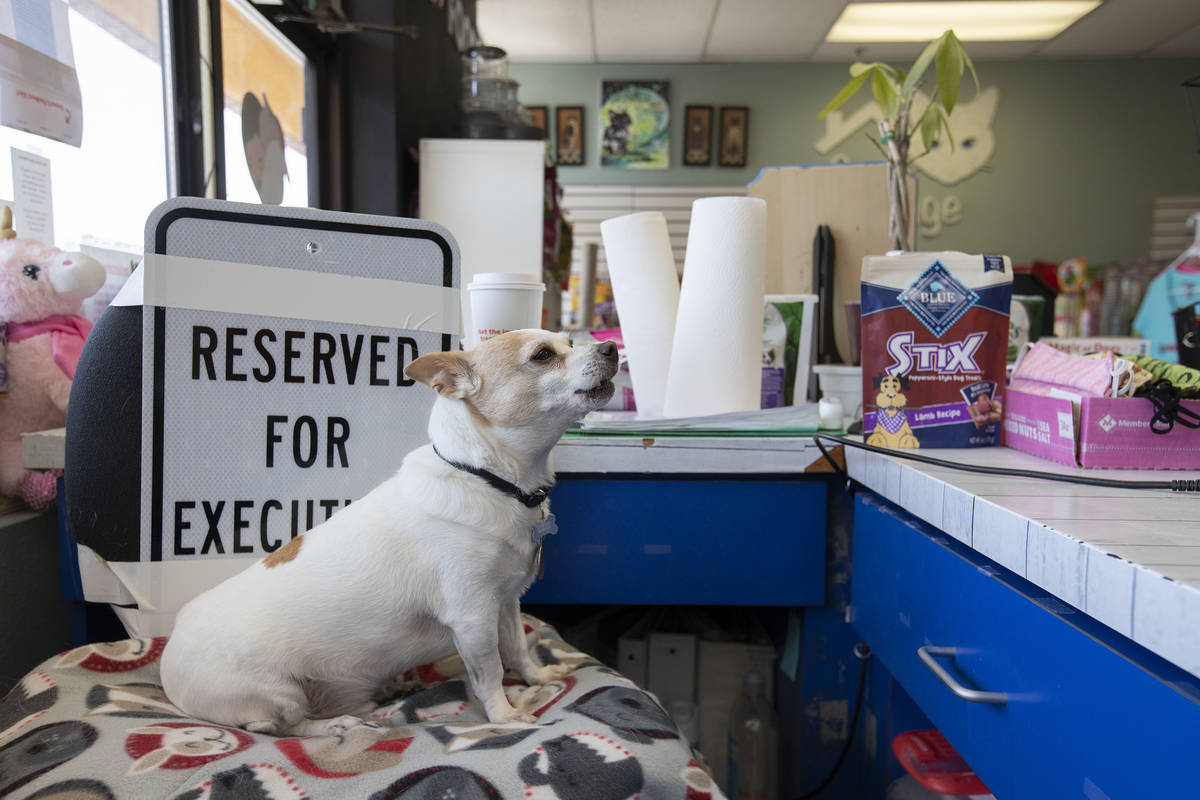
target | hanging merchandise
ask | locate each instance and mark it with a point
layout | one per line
(1187, 334)
(1133, 287)
(1068, 306)
(1175, 287)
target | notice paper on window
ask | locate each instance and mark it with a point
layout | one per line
(33, 215)
(39, 90)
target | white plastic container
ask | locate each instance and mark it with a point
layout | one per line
(843, 382)
(503, 301)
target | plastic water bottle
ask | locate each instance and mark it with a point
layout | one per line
(752, 743)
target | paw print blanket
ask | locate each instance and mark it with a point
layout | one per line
(94, 724)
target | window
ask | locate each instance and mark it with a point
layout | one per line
(103, 190)
(264, 77)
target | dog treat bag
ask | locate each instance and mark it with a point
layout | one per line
(934, 347)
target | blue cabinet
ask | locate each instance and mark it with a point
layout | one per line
(1086, 713)
(685, 541)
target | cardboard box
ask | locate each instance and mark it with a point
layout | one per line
(852, 200)
(632, 659)
(671, 670)
(1107, 432)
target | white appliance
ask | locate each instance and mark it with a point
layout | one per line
(488, 194)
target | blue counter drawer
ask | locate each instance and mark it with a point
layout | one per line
(681, 541)
(1089, 714)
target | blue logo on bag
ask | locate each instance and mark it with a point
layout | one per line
(937, 298)
(993, 263)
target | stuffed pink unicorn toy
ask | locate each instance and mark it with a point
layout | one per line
(41, 288)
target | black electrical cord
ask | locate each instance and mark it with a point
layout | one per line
(864, 655)
(1167, 399)
(838, 468)
(1174, 485)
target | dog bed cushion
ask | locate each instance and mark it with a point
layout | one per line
(93, 723)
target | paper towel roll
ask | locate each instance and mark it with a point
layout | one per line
(716, 356)
(646, 290)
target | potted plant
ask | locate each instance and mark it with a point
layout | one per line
(895, 91)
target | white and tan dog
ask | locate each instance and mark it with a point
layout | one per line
(433, 560)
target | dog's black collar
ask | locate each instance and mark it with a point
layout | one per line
(529, 499)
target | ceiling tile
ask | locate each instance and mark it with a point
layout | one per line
(661, 31)
(770, 30)
(537, 30)
(1184, 45)
(907, 52)
(730, 31)
(1123, 28)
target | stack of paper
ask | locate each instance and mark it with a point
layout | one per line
(787, 419)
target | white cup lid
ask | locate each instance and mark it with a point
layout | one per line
(483, 278)
(837, 369)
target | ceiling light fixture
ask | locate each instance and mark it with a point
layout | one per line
(973, 21)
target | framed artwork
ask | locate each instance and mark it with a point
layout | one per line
(538, 113)
(635, 122)
(697, 136)
(734, 127)
(568, 127)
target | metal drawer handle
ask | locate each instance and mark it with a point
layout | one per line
(929, 655)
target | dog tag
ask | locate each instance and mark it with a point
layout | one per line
(538, 566)
(541, 529)
(544, 528)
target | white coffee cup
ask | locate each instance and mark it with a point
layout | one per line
(503, 301)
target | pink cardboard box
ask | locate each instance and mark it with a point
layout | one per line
(1111, 432)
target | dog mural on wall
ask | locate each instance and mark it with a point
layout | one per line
(891, 420)
(970, 125)
(616, 135)
(635, 124)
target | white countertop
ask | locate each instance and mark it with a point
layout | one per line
(1128, 557)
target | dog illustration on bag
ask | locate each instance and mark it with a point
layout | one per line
(891, 420)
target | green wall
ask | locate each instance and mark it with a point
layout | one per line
(1081, 147)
